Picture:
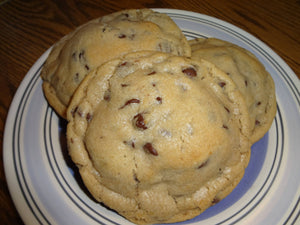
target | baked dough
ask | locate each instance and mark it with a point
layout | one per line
(104, 39)
(158, 138)
(249, 74)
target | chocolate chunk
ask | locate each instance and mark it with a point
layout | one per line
(123, 64)
(78, 111)
(160, 47)
(226, 109)
(190, 71)
(139, 122)
(202, 164)
(74, 111)
(134, 100)
(159, 99)
(130, 143)
(106, 96)
(225, 127)
(222, 84)
(122, 36)
(135, 178)
(76, 77)
(215, 201)
(74, 56)
(151, 73)
(89, 117)
(81, 55)
(150, 149)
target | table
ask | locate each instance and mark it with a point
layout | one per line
(29, 28)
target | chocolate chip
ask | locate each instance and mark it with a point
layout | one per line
(81, 55)
(150, 149)
(202, 164)
(190, 71)
(257, 122)
(87, 67)
(123, 64)
(225, 127)
(106, 96)
(135, 178)
(246, 83)
(160, 48)
(226, 109)
(258, 103)
(215, 201)
(78, 111)
(124, 85)
(134, 100)
(159, 99)
(89, 117)
(222, 84)
(122, 36)
(74, 56)
(139, 122)
(130, 143)
(76, 77)
(74, 111)
(151, 73)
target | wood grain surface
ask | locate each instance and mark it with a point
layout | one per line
(28, 28)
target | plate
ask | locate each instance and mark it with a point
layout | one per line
(45, 185)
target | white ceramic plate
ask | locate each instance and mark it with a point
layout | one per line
(46, 188)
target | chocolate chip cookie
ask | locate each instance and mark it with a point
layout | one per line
(252, 79)
(158, 138)
(101, 40)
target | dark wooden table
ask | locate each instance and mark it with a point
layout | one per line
(28, 28)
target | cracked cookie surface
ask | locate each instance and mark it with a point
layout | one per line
(158, 138)
(101, 40)
(252, 79)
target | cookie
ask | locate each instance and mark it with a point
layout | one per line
(101, 40)
(252, 79)
(158, 138)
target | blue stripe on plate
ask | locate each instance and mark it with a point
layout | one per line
(62, 181)
(16, 145)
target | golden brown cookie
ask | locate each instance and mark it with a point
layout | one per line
(101, 40)
(158, 138)
(255, 83)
